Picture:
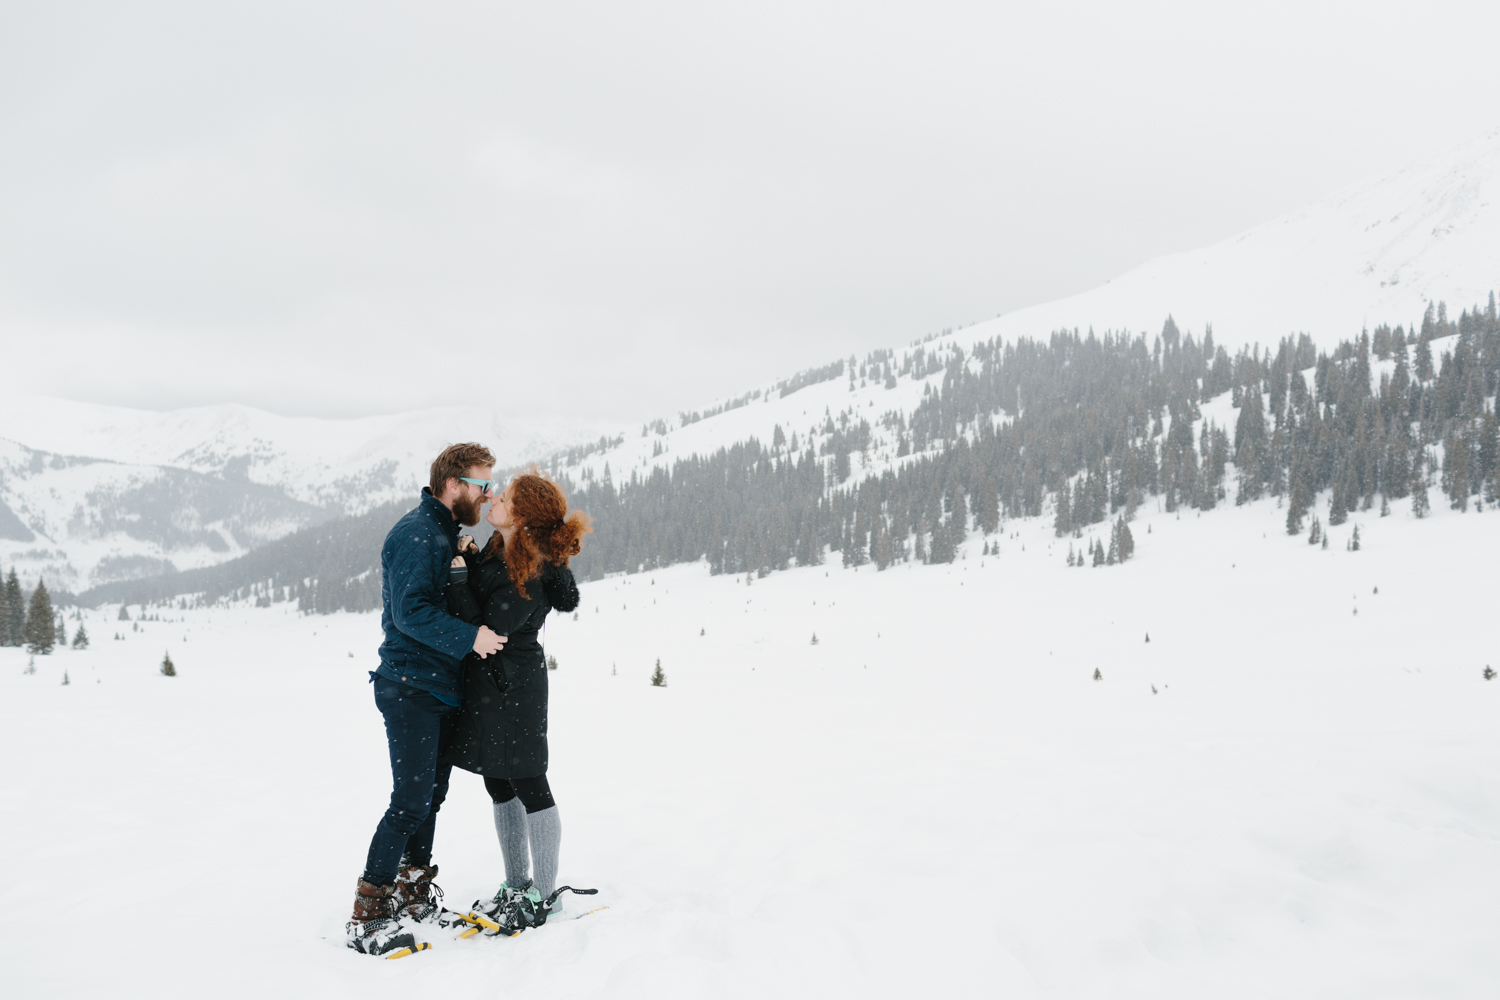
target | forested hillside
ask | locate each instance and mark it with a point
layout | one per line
(330, 567)
(1078, 428)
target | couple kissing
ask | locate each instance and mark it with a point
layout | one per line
(462, 682)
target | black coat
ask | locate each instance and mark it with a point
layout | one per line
(501, 729)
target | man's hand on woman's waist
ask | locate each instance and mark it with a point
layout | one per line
(487, 642)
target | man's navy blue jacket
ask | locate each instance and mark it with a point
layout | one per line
(424, 644)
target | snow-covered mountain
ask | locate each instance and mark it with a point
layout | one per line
(347, 466)
(1377, 251)
(84, 521)
(90, 494)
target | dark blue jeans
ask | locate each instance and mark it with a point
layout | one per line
(416, 726)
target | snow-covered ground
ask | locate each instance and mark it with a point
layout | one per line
(936, 799)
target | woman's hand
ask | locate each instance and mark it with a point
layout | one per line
(457, 562)
(466, 544)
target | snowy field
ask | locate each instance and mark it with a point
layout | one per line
(936, 799)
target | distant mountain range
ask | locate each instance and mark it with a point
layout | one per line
(96, 494)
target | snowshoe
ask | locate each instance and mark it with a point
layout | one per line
(505, 898)
(522, 909)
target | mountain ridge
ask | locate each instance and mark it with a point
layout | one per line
(1377, 250)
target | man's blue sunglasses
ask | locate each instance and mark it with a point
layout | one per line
(489, 486)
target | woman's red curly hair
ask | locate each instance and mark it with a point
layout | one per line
(545, 531)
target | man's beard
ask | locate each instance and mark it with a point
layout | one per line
(466, 511)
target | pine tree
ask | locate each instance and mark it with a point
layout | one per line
(854, 545)
(942, 544)
(1247, 463)
(658, 676)
(60, 634)
(1063, 522)
(1338, 512)
(1315, 533)
(884, 554)
(1294, 515)
(1424, 356)
(1301, 498)
(1124, 541)
(12, 611)
(124, 615)
(168, 668)
(958, 520)
(37, 631)
(81, 637)
(989, 506)
(1419, 502)
(1487, 455)
(1456, 472)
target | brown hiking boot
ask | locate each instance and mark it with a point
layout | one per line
(417, 896)
(374, 928)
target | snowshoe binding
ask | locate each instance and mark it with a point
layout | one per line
(513, 910)
(419, 899)
(506, 898)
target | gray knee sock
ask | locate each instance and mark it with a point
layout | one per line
(546, 837)
(510, 827)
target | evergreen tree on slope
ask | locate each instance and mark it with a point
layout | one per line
(38, 631)
(12, 611)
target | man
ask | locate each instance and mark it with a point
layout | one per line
(417, 690)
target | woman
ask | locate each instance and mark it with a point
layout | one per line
(501, 732)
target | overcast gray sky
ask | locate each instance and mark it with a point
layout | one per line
(622, 210)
